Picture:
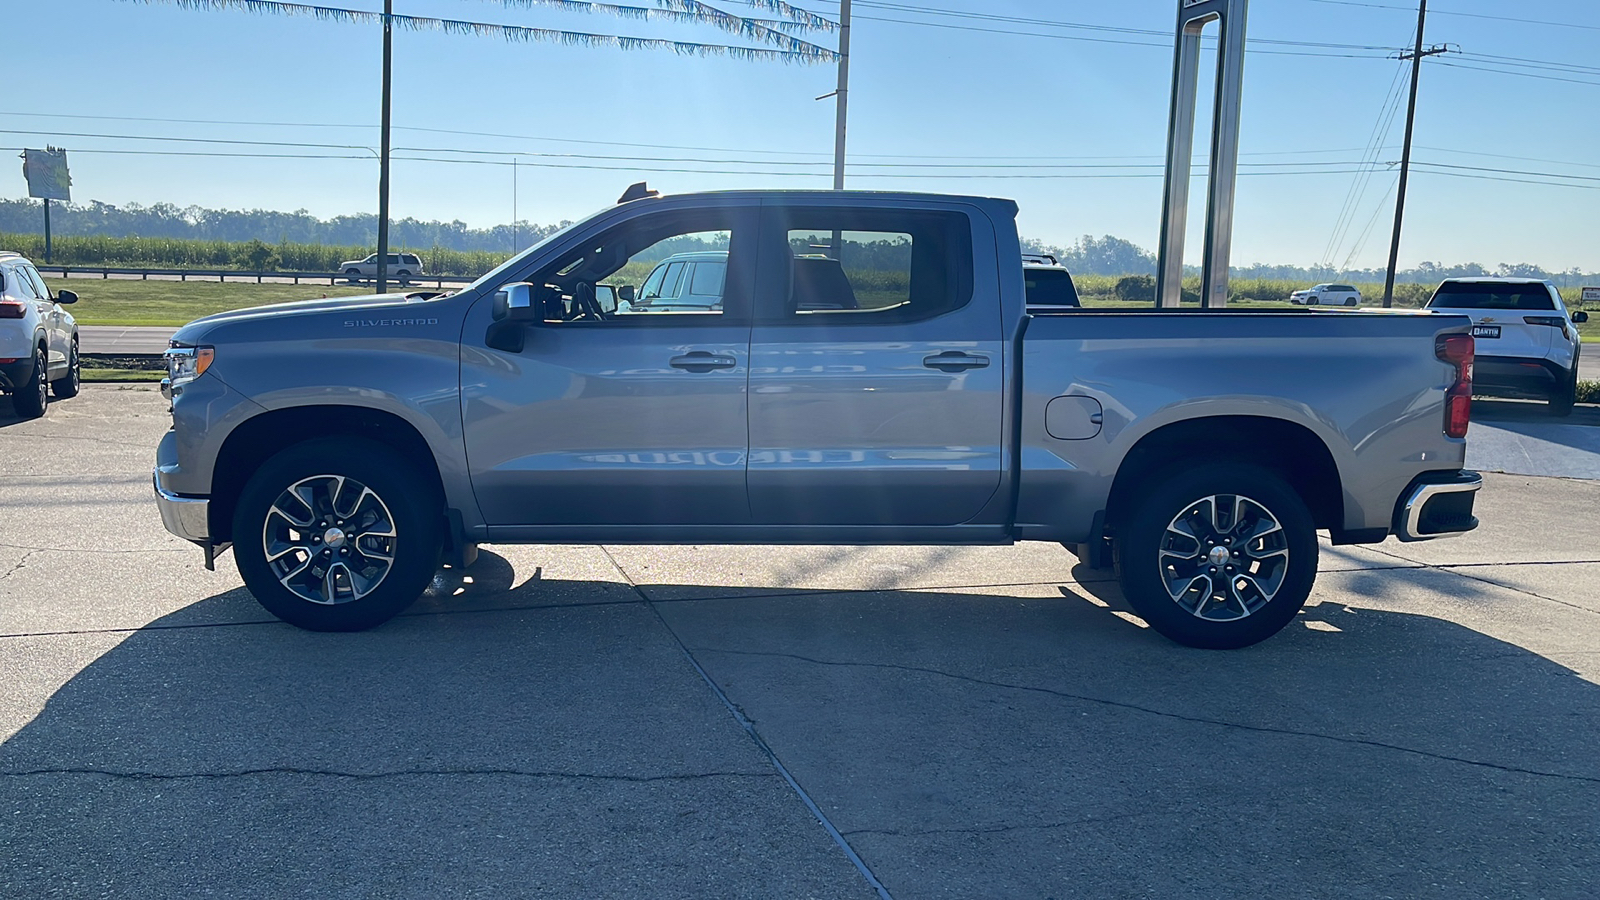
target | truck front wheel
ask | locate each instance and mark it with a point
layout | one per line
(336, 534)
(1219, 557)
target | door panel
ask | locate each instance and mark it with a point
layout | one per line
(632, 417)
(852, 428)
(863, 410)
(597, 426)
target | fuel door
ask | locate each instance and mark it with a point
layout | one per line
(1073, 418)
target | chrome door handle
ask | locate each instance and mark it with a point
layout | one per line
(701, 361)
(953, 361)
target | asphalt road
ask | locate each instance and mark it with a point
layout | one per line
(124, 339)
(679, 722)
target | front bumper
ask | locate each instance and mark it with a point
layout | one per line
(186, 517)
(1437, 505)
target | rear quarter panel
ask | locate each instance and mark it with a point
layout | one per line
(1367, 385)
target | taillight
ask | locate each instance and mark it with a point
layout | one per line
(1457, 350)
(12, 310)
(1551, 321)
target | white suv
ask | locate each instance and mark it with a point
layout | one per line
(402, 267)
(1528, 346)
(38, 339)
(1327, 295)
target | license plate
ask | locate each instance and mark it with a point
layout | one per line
(1486, 331)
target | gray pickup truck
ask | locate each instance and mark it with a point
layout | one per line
(872, 375)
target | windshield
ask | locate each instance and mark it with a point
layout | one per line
(495, 276)
(1491, 295)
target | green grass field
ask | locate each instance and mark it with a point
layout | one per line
(114, 302)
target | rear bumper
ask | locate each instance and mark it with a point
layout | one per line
(1517, 376)
(1437, 505)
(13, 374)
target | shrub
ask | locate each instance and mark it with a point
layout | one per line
(1589, 392)
(256, 257)
(1135, 289)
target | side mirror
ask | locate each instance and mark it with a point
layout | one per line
(514, 303)
(1580, 317)
(606, 296)
(65, 296)
(625, 293)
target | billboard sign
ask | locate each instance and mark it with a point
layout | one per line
(1590, 295)
(46, 171)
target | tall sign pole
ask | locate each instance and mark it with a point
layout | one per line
(48, 179)
(383, 159)
(1405, 154)
(1193, 16)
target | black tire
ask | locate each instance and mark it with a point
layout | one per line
(404, 277)
(353, 276)
(410, 516)
(67, 387)
(1242, 611)
(33, 395)
(1562, 401)
(1352, 302)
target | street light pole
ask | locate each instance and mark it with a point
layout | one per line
(383, 161)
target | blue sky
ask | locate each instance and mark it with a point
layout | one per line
(958, 102)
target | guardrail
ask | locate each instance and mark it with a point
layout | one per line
(105, 272)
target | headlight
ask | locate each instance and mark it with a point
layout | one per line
(185, 364)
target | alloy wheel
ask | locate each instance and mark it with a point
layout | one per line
(1224, 557)
(329, 539)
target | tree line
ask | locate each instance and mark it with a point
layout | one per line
(457, 246)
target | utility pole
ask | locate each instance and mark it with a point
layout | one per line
(513, 206)
(1415, 56)
(843, 95)
(383, 160)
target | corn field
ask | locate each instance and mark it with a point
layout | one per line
(174, 253)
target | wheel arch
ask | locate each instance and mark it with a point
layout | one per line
(1289, 449)
(262, 436)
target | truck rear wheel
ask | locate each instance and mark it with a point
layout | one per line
(1219, 557)
(335, 534)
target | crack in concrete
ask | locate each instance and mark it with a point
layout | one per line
(1004, 829)
(375, 776)
(1450, 569)
(1134, 707)
(20, 563)
(749, 727)
(96, 550)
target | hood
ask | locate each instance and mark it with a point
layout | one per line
(192, 332)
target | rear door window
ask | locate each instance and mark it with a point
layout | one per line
(860, 266)
(1491, 295)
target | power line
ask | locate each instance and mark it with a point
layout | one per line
(1164, 45)
(1456, 65)
(1441, 12)
(1471, 172)
(1358, 186)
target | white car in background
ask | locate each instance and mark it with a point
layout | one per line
(38, 339)
(1527, 342)
(402, 267)
(1327, 295)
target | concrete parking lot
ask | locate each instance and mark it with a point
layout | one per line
(789, 722)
